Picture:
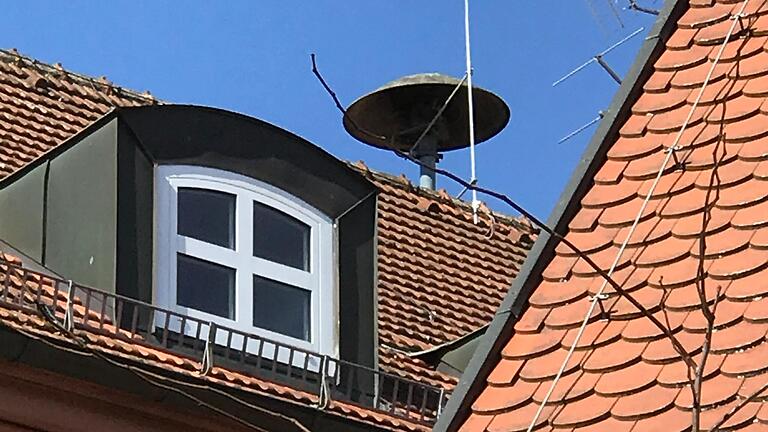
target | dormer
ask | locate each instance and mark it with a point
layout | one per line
(222, 220)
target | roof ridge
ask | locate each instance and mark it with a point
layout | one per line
(13, 55)
(440, 195)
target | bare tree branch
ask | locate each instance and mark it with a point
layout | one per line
(544, 227)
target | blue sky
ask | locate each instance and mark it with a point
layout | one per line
(253, 57)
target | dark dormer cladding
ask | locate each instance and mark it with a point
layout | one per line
(86, 210)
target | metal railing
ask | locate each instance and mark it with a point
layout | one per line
(210, 344)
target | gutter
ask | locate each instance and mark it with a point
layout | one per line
(515, 302)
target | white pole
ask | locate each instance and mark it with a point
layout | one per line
(471, 109)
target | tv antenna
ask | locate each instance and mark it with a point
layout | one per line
(600, 60)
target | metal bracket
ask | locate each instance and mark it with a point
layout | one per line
(206, 363)
(598, 298)
(69, 322)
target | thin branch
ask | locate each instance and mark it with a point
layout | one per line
(701, 288)
(544, 227)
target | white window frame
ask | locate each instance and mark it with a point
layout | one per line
(319, 280)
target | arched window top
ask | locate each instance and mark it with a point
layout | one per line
(242, 253)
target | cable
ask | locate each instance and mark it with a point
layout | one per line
(669, 153)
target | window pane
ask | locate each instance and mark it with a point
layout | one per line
(279, 237)
(207, 215)
(205, 286)
(281, 308)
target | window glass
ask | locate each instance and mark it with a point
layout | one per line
(280, 238)
(281, 308)
(207, 215)
(205, 286)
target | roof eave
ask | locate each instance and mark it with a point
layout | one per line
(500, 328)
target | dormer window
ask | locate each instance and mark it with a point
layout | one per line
(241, 253)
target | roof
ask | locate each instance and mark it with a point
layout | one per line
(624, 374)
(440, 276)
(437, 271)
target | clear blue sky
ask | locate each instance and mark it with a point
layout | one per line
(253, 57)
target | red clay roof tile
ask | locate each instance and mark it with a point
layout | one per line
(635, 126)
(498, 399)
(627, 380)
(618, 355)
(644, 330)
(757, 312)
(677, 373)
(526, 346)
(518, 420)
(555, 294)
(595, 334)
(700, 17)
(585, 220)
(546, 366)
(741, 418)
(572, 386)
(506, 372)
(532, 321)
(584, 411)
(671, 420)
(643, 404)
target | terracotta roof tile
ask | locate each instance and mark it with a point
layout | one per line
(645, 403)
(546, 366)
(574, 386)
(584, 412)
(671, 420)
(627, 380)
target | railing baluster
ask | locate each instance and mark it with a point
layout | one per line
(134, 321)
(103, 312)
(259, 354)
(291, 353)
(87, 306)
(150, 324)
(409, 400)
(198, 332)
(304, 370)
(166, 324)
(182, 329)
(55, 298)
(7, 282)
(276, 353)
(40, 293)
(423, 406)
(229, 343)
(395, 390)
(118, 314)
(23, 289)
(243, 349)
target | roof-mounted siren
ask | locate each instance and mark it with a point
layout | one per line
(395, 116)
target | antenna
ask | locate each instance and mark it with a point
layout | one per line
(600, 115)
(471, 110)
(598, 12)
(598, 58)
